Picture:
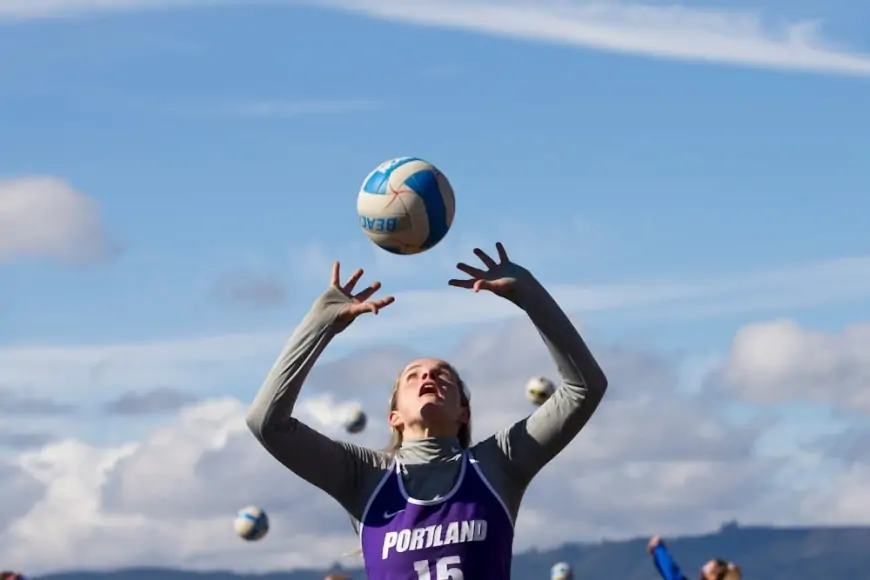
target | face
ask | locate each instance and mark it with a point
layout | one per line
(711, 570)
(428, 395)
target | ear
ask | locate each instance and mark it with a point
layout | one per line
(464, 416)
(395, 420)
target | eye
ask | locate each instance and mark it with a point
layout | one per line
(446, 376)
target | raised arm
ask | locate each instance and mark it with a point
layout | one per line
(662, 560)
(532, 442)
(337, 468)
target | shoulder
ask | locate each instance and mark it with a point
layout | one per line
(371, 459)
(490, 460)
(372, 467)
(495, 452)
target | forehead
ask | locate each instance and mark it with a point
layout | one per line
(711, 566)
(425, 363)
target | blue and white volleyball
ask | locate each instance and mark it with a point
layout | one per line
(539, 389)
(561, 571)
(406, 205)
(356, 421)
(251, 524)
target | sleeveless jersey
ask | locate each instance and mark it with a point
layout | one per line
(466, 535)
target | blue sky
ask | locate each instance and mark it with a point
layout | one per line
(674, 175)
(173, 122)
(222, 144)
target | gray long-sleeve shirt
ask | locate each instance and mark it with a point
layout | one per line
(509, 459)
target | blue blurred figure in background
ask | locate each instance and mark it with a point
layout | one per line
(715, 569)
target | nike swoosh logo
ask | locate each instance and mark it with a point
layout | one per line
(388, 515)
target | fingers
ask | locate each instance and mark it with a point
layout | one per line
(484, 257)
(461, 283)
(351, 282)
(368, 292)
(373, 306)
(383, 302)
(336, 274)
(481, 285)
(470, 270)
(502, 253)
(472, 284)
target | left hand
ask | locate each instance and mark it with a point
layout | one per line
(499, 277)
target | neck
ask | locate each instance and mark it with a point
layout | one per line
(427, 431)
(429, 449)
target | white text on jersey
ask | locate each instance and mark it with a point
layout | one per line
(432, 536)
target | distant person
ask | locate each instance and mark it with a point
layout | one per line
(562, 571)
(715, 569)
(432, 506)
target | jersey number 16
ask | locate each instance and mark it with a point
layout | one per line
(446, 568)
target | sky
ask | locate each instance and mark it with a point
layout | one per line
(176, 178)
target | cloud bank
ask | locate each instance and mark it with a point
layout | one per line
(654, 459)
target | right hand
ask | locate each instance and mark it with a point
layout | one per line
(361, 302)
(654, 543)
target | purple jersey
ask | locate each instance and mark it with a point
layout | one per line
(466, 535)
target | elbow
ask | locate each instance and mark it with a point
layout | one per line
(256, 422)
(268, 427)
(602, 384)
(596, 385)
(599, 380)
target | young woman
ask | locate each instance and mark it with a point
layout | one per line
(432, 506)
(715, 569)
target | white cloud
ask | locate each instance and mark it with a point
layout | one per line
(208, 365)
(844, 501)
(667, 31)
(167, 499)
(672, 31)
(45, 216)
(669, 462)
(780, 361)
(115, 368)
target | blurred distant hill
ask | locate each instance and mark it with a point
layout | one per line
(765, 553)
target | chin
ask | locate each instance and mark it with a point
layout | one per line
(433, 411)
(429, 400)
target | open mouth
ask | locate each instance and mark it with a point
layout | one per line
(429, 388)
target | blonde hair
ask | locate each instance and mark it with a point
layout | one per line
(725, 570)
(464, 432)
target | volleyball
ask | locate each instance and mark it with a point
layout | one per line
(405, 205)
(251, 524)
(356, 421)
(561, 571)
(539, 389)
